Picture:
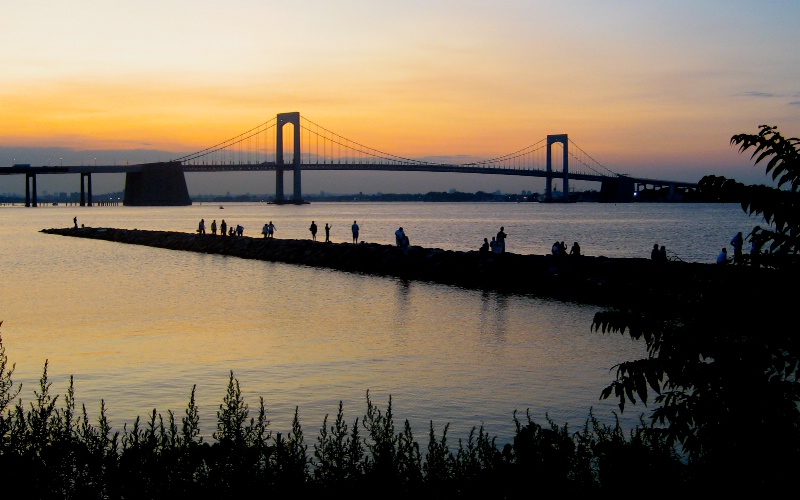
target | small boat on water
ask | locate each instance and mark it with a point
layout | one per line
(221, 207)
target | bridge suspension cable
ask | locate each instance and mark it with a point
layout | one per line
(335, 139)
(586, 158)
(527, 155)
(229, 143)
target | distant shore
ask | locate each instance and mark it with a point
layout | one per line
(593, 280)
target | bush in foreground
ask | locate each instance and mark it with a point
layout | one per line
(62, 453)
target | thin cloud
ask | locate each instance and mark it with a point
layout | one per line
(756, 93)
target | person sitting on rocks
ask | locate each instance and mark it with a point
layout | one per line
(722, 258)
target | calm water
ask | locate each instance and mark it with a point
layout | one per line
(138, 326)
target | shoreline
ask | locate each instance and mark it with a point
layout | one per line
(592, 280)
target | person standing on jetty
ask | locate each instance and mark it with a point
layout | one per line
(75, 221)
(214, 227)
(223, 228)
(737, 242)
(327, 233)
(654, 253)
(501, 240)
(399, 237)
(354, 227)
(271, 229)
(265, 230)
(313, 229)
(575, 251)
(756, 242)
(201, 228)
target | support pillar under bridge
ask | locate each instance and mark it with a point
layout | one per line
(285, 119)
(30, 196)
(88, 177)
(548, 189)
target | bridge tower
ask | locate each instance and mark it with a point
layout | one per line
(284, 119)
(548, 190)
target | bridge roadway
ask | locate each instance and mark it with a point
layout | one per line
(139, 169)
(433, 167)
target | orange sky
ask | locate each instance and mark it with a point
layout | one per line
(650, 88)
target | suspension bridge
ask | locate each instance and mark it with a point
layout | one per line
(313, 147)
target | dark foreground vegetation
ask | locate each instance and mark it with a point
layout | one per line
(721, 375)
(63, 453)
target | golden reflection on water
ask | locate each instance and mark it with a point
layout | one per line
(138, 327)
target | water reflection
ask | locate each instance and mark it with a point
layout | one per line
(492, 322)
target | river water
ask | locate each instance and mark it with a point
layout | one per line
(139, 326)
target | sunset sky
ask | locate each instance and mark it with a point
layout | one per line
(652, 89)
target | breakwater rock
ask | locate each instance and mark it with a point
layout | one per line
(586, 279)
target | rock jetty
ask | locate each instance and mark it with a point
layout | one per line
(593, 280)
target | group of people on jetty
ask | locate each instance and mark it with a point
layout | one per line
(737, 243)
(268, 231)
(497, 245)
(224, 229)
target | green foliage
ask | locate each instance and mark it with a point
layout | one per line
(779, 206)
(67, 456)
(722, 360)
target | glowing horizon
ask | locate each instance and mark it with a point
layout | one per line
(647, 86)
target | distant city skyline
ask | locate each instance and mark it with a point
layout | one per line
(652, 89)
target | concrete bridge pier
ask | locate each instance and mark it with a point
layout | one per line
(617, 190)
(157, 185)
(88, 177)
(30, 195)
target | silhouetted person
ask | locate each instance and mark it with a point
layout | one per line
(654, 253)
(494, 246)
(201, 228)
(354, 227)
(265, 230)
(313, 229)
(75, 221)
(737, 242)
(756, 242)
(722, 258)
(483, 252)
(231, 231)
(556, 249)
(239, 230)
(327, 233)
(662, 254)
(223, 228)
(271, 228)
(399, 237)
(575, 251)
(214, 227)
(501, 240)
